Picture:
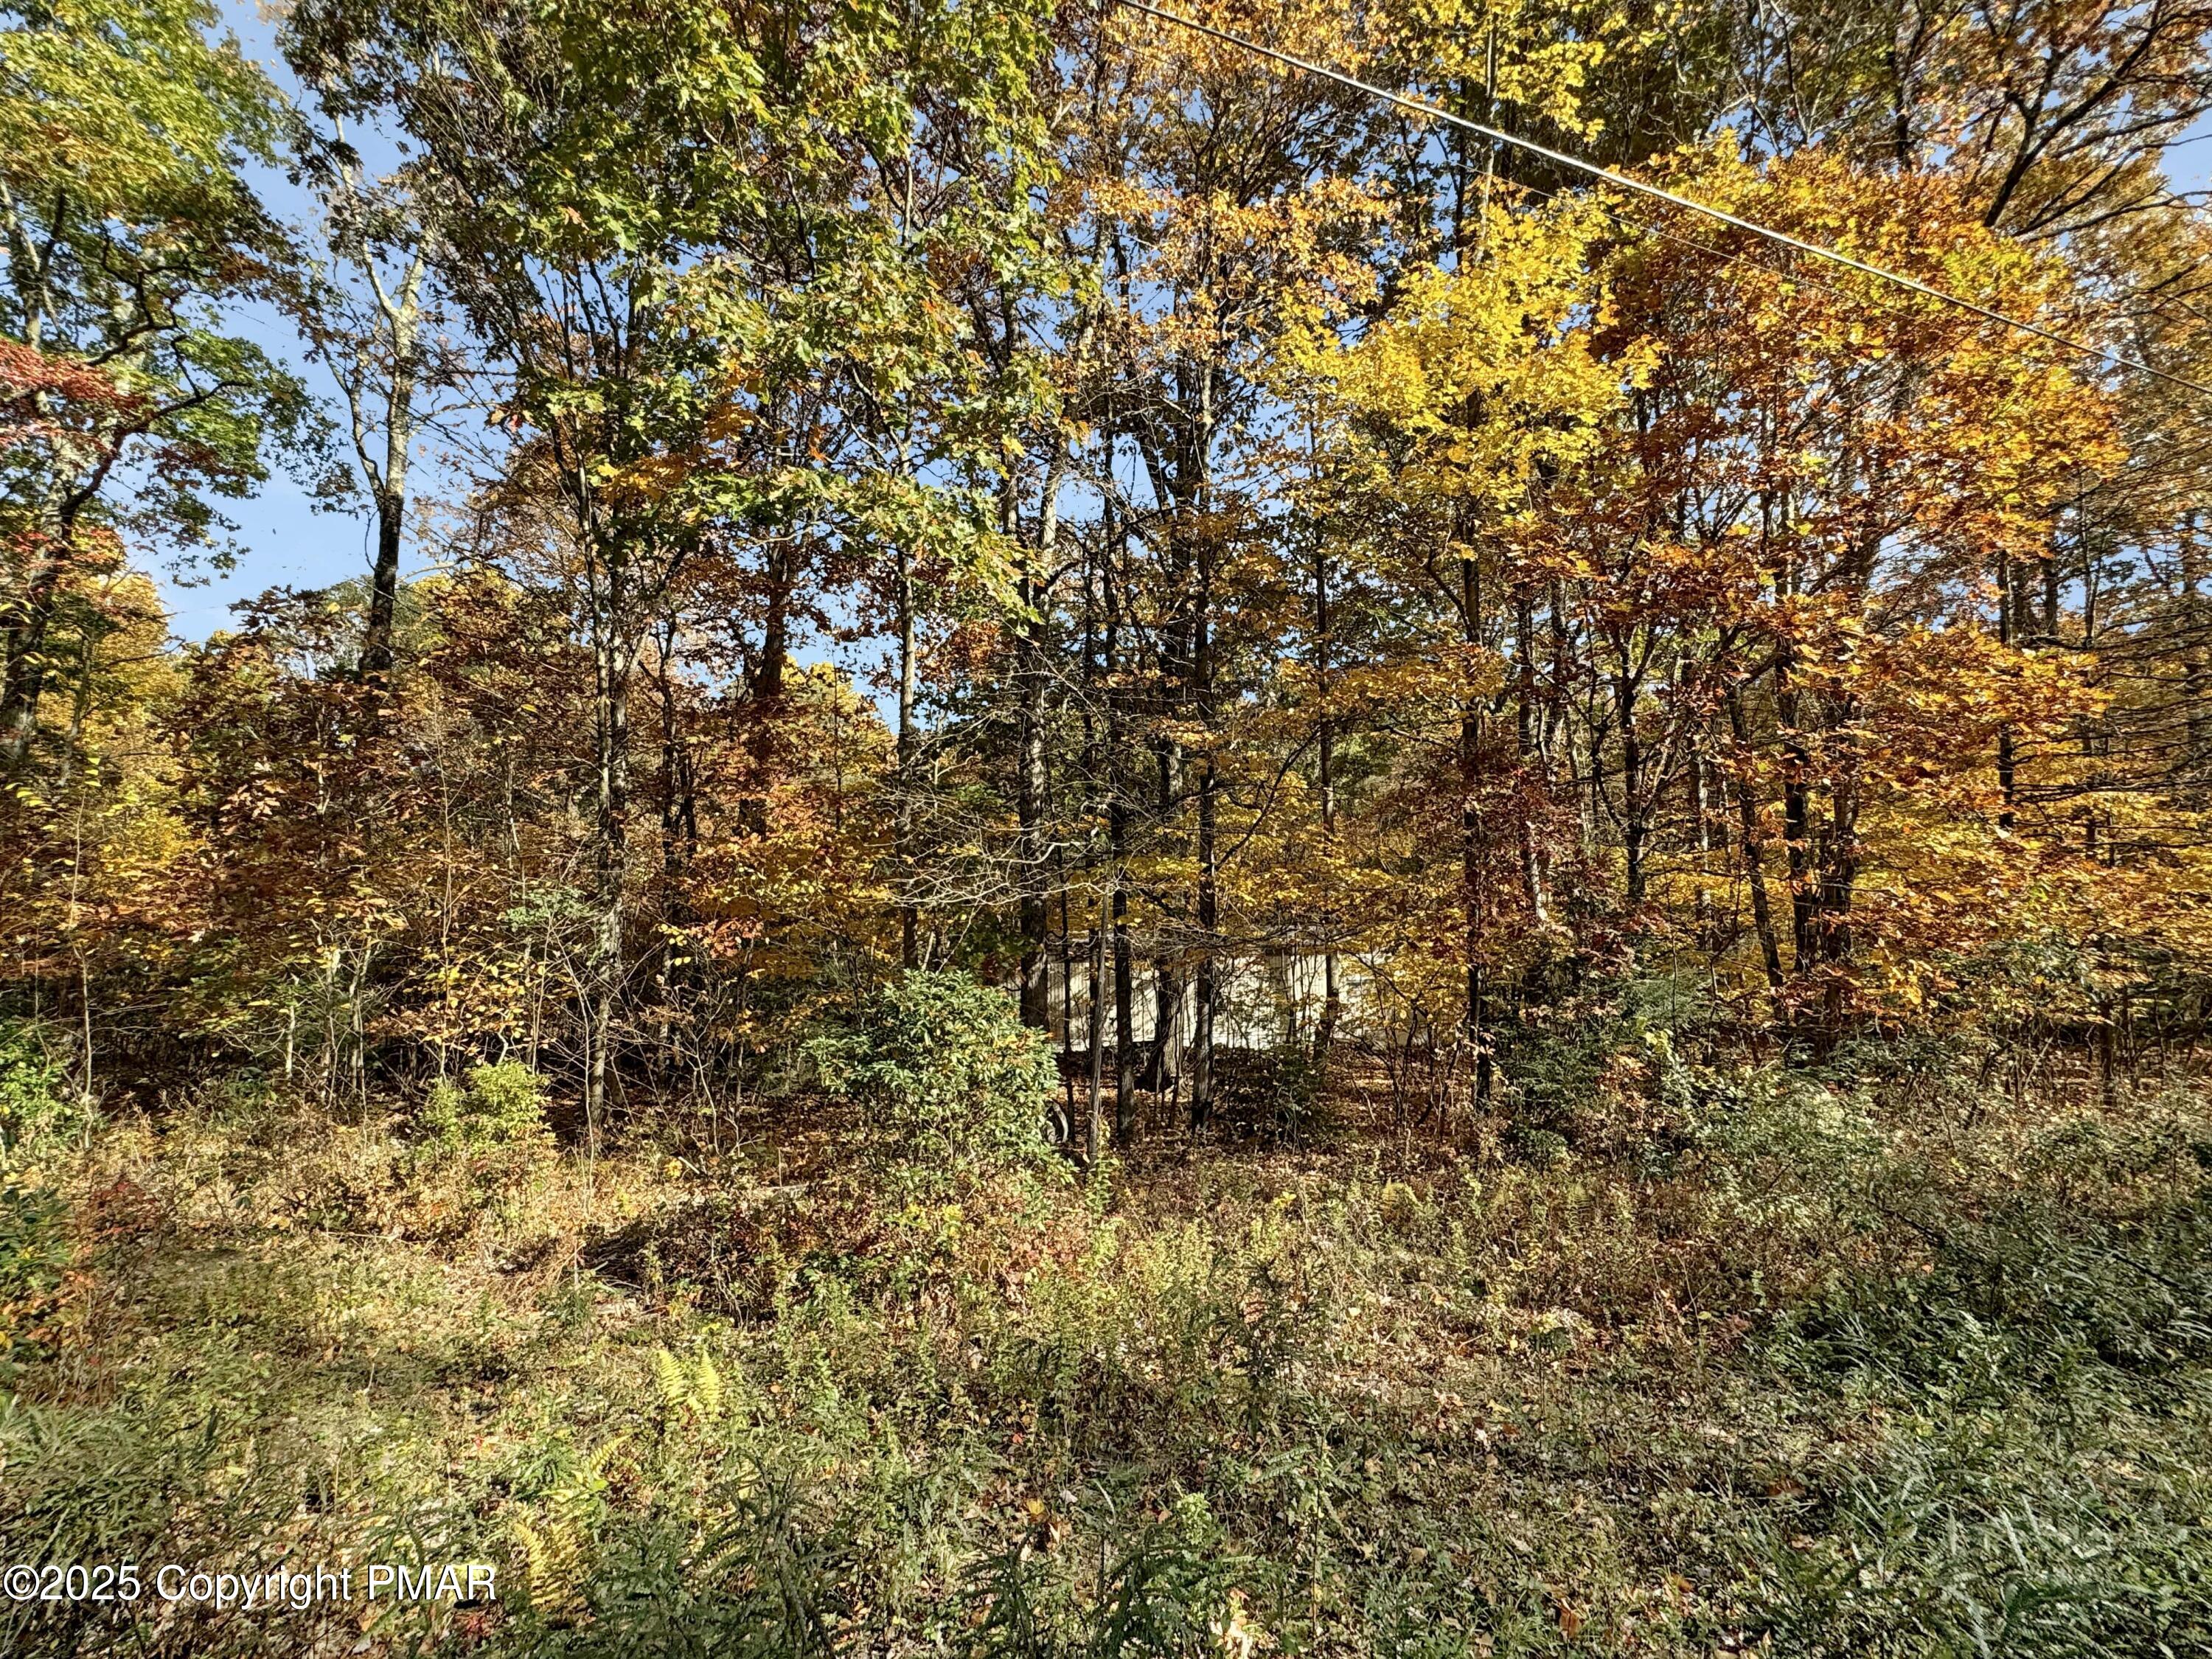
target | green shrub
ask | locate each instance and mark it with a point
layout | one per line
(34, 1255)
(484, 1141)
(38, 1119)
(38, 1116)
(1157, 1595)
(945, 1068)
(494, 1107)
(1401, 1209)
(1785, 1148)
(1613, 1076)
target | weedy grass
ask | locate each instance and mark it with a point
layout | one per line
(1799, 1367)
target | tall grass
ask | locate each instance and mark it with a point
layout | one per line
(1794, 1367)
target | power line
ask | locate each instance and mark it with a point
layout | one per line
(1623, 181)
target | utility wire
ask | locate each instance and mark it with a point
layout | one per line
(1563, 158)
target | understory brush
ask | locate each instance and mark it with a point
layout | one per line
(1808, 1373)
(40, 1120)
(2042, 1365)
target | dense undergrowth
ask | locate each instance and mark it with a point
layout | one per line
(1718, 1356)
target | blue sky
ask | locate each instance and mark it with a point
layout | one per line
(283, 541)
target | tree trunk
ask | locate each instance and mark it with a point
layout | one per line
(1125, 1050)
(1534, 791)
(376, 651)
(1117, 852)
(1635, 809)
(1754, 861)
(1325, 780)
(1030, 785)
(1093, 1119)
(388, 483)
(1166, 1065)
(2005, 637)
(1209, 961)
(611, 699)
(1209, 853)
(2196, 663)
(23, 671)
(910, 954)
(1798, 825)
(1470, 826)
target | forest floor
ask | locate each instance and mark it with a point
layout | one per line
(1815, 1366)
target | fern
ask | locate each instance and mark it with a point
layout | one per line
(707, 1388)
(695, 1388)
(675, 1384)
(554, 1559)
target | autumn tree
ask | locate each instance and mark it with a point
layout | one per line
(126, 411)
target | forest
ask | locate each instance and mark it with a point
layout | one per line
(1232, 828)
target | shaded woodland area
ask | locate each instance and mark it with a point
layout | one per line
(1115, 853)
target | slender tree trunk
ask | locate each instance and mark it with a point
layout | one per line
(376, 650)
(23, 669)
(1754, 859)
(611, 686)
(388, 482)
(2005, 613)
(1030, 790)
(1067, 975)
(1635, 809)
(1841, 852)
(1535, 773)
(1209, 961)
(2052, 582)
(1798, 825)
(1094, 1118)
(1209, 807)
(2196, 663)
(764, 692)
(909, 953)
(1470, 884)
(1205, 1016)
(679, 797)
(1117, 852)
(80, 705)
(1125, 1049)
(1167, 1058)
(1325, 747)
